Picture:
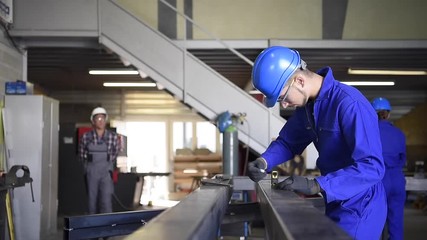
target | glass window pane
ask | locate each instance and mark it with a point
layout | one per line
(206, 135)
(147, 152)
(182, 135)
(178, 135)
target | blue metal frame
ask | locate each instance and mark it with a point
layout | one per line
(106, 225)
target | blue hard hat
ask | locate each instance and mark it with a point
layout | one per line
(272, 69)
(381, 103)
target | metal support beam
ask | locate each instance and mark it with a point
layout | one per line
(106, 225)
(198, 216)
(288, 216)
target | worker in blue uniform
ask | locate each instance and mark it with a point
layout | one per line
(394, 154)
(343, 126)
(98, 149)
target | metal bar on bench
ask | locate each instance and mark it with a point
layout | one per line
(198, 216)
(289, 216)
(106, 225)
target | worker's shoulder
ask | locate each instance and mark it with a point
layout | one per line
(87, 134)
(394, 128)
(348, 95)
(111, 132)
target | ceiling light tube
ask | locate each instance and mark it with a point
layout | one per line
(114, 72)
(385, 72)
(365, 83)
(129, 84)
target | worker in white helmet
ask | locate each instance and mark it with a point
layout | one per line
(98, 150)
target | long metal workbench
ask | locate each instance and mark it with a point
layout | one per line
(200, 215)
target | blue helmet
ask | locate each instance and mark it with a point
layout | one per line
(272, 69)
(381, 103)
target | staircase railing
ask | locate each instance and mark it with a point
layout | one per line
(183, 74)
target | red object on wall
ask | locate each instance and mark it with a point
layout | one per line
(115, 175)
(82, 130)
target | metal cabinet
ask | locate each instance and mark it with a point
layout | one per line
(31, 135)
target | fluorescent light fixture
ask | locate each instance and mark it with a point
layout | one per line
(129, 84)
(114, 72)
(366, 83)
(385, 72)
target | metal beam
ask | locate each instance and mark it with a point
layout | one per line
(106, 225)
(198, 216)
(289, 216)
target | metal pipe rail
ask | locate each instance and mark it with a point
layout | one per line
(288, 216)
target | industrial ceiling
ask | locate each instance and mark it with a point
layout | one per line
(66, 68)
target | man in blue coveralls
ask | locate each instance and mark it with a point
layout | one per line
(394, 154)
(343, 126)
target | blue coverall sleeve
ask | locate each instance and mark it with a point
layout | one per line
(293, 139)
(359, 126)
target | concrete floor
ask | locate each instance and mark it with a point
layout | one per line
(415, 226)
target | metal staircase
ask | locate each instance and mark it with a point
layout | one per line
(184, 75)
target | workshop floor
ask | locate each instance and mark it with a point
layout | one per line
(415, 223)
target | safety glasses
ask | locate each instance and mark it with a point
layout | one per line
(99, 119)
(282, 99)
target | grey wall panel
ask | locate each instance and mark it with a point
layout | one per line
(11, 64)
(61, 17)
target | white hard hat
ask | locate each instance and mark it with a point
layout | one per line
(99, 110)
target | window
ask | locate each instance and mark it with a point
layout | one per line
(206, 134)
(182, 135)
(147, 152)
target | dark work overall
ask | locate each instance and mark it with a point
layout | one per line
(99, 182)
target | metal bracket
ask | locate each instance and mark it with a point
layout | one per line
(11, 179)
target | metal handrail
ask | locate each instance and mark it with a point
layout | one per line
(209, 33)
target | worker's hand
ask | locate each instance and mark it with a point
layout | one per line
(299, 184)
(256, 169)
